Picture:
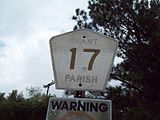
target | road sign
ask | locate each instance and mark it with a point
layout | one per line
(82, 59)
(78, 109)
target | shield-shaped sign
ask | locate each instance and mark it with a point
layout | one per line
(82, 59)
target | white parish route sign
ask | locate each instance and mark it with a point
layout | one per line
(82, 59)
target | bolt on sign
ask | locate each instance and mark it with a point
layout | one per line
(82, 59)
(78, 109)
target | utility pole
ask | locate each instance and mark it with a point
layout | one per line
(48, 86)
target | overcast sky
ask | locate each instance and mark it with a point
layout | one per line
(25, 29)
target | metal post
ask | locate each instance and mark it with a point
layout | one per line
(48, 86)
(79, 94)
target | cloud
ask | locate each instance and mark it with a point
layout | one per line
(25, 29)
(19, 16)
(26, 63)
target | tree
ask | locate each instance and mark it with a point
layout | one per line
(15, 97)
(135, 24)
(2, 98)
(35, 94)
(16, 107)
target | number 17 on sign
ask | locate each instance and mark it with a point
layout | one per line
(92, 59)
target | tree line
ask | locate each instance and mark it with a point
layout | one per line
(16, 107)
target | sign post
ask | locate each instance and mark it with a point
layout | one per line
(79, 94)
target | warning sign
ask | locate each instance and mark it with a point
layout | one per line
(78, 109)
